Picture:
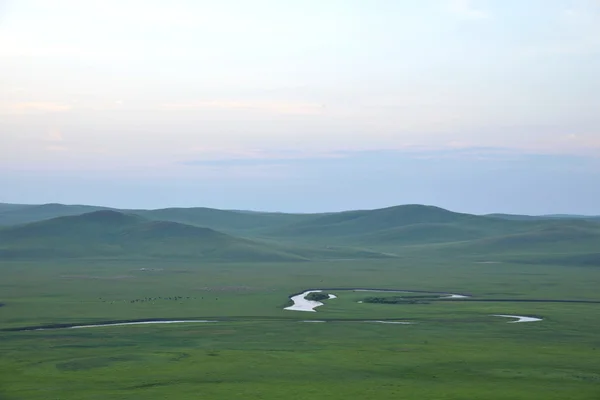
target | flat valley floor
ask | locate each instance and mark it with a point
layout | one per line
(454, 349)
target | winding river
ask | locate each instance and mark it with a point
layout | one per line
(128, 323)
(300, 303)
(519, 318)
(303, 304)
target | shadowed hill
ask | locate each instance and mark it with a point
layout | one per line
(381, 233)
(415, 229)
(224, 220)
(8, 207)
(113, 234)
(424, 234)
(94, 225)
(563, 242)
(517, 217)
(414, 222)
(22, 214)
(555, 237)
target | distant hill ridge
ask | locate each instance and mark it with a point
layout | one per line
(108, 233)
(518, 217)
(114, 234)
(13, 214)
(222, 235)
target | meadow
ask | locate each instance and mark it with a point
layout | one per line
(257, 350)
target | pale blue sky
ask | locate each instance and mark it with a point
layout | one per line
(302, 105)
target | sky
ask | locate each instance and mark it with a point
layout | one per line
(315, 105)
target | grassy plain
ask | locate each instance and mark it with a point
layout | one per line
(257, 350)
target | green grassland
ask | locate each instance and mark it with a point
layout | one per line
(455, 349)
(93, 265)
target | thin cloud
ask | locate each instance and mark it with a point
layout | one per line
(589, 142)
(286, 157)
(466, 9)
(450, 151)
(216, 155)
(57, 148)
(55, 135)
(31, 46)
(581, 30)
(33, 107)
(274, 107)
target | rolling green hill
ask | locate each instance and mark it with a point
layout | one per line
(423, 234)
(290, 223)
(557, 237)
(223, 220)
(113, 234)
(8, 207)
(517, 217)
(400, 224)
(211, 234)
(16, 214)
(108, 233)
(361, 222)
(417, 228)
(568, 242)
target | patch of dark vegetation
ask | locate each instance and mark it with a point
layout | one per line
(2, 304)
(581, 260)
(118, 277)
(157, 384)
(524, 300)
(180, 356)
(154, 299)
(429, 299)
(288, 303)
(397, 300)
(423, 296)
(460, 320)
(149, 299)
(317, 296)
(152, 385)
(227, 288)
(91, 363)
(367, 289)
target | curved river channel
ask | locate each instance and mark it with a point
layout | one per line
(301, 303)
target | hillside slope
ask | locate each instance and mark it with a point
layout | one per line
(113, 234)
(518, 217)
(424, 233)
(223, 220)
(8, 207)
(557, 237)
(408, 223)
(566, 242)
(16, 214)
(109, 233)
(256, 236)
